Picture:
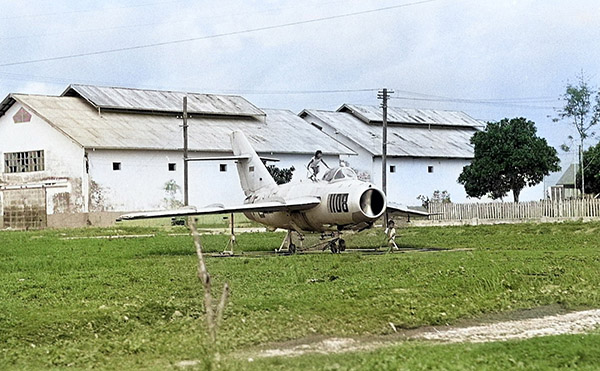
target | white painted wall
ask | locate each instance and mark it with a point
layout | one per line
(64, 159)
(412, 178)
(140, 184)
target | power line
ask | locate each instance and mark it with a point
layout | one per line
(300, 92)
(66, 81)
(507, 102)
(494, 100)
(227, 15)
(181, 41)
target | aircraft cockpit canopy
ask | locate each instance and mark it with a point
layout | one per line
(339, 173)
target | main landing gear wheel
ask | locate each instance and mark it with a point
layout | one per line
(336, 246)
(292, 248)
(341, 245)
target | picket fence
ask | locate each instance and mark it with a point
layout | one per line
(539, 210)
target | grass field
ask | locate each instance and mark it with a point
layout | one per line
(136, 303)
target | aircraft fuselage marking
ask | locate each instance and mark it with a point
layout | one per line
(337, 202)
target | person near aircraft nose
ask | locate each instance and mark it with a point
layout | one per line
(390, 233)
(313, 165)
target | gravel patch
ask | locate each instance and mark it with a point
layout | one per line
(559, 324)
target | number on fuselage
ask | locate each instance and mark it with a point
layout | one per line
(337, 202)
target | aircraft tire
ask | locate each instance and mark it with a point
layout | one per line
(342, 245)
(292, 248)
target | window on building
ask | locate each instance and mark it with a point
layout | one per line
(392, 168)
(21, 116)
(116, 166)
(430, 169)
(172, 166)
(24, 162)
(223, 168)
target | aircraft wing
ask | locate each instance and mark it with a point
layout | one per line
(297, 204)
(403, 209)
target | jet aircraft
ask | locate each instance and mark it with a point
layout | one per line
(337, 202)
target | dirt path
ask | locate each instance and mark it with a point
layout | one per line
(558, 324)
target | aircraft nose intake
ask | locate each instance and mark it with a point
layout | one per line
(372, 203)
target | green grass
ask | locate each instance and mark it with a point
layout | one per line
(553, 352)
(205, 221)
(136, 303)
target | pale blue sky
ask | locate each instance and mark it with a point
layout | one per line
(490, 59)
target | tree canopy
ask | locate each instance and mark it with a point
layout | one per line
(508, 156)
(591, 163)
(282, 175)
(582, 110)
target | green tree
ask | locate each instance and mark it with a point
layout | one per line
(582, 110)
(171, 189)
(591, 164)
(508, 156)
(281, 176)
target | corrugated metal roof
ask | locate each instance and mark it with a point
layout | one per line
(281, 131)
(114, 98)
(568, 177)
(403, 141)
(396, 115)
(6, 104)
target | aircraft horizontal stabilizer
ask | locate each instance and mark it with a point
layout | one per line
(297, 204)
(393, 207)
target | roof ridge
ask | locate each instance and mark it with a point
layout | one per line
(148, 90)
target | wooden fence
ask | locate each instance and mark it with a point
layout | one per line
(510, 211)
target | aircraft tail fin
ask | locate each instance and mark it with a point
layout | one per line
(253, 173)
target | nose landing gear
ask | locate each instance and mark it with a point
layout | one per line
(291, 247)
(336, 245)
(332, 242)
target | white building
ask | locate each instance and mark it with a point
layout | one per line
(75, 158)
(426, 151)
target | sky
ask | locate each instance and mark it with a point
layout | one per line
(489, 59)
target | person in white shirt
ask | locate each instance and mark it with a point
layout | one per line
(313, 165)
(390, 234)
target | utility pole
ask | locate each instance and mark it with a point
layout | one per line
(185, 153)
(384, 95)
(582, 169)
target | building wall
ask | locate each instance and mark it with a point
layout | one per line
(64, 163)
(412, 178)
(140, 184)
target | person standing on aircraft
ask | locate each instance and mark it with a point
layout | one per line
(313, 165)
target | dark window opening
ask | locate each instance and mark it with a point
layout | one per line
(24, 162)
(172, 166)
(116, 166)
(223, 168)
(430, 169)
(392, 168)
